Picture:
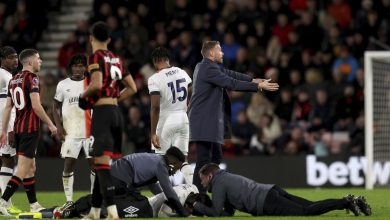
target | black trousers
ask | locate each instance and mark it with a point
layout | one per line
(279, 202)
(206, 152)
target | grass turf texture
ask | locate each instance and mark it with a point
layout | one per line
(378, 199)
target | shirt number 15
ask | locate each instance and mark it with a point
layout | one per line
(179, 88)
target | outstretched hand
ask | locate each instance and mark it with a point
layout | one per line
(268, 85)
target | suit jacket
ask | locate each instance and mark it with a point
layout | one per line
(209, 109)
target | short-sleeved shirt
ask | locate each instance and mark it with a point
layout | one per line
(76, 121)
(172, 86)
(19, 89)
(111, 67)
(5, 77)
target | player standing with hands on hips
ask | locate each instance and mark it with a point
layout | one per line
(168, 89)
(23, 93)
(103, 93)
(210, 109)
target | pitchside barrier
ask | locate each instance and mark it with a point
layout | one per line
(286, 171)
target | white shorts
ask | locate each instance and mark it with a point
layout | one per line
(173, 134)
(72, 147)
(8, 150)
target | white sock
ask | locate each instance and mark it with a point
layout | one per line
(92, 177)
(67, 181)
(112, 211)
(156, 202)
(188, 173)
(95, 213)
(5, 176)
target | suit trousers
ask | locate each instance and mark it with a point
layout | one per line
(280, 203)
(206, 152)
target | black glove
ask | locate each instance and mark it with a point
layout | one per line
(191, 199)
(83, 103)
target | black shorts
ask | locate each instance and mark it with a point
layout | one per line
(26, 144)
(106, 131)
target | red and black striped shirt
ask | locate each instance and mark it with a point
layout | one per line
(111, 67)
(19, 89)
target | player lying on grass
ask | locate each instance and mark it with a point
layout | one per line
(132, 204)
(153, 170)
(231, 192)
(148, 169)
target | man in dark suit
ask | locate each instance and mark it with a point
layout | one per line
(209, 110)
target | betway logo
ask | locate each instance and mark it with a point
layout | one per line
(340, 173)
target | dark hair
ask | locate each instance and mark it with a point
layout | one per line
(27, 53)
(6, 51)
(208, 168)
(176, 153)
(207, 46)
(205, 200)
(100, 31)
(77, 59)
(160, 54)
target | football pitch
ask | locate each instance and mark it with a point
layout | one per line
(379, 199)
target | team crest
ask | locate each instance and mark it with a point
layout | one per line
(35, 82)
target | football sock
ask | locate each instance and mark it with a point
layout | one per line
(5, 175)
(12, 186)
(92, 178)
(97, 198)
(67, 182)
(29, 186)
(106, 186)
(188, 173)
(112, 211)
(95, 213)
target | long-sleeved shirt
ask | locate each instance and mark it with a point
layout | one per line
(230, 192)
(145, 169)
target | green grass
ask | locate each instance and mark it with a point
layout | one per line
(379, 199)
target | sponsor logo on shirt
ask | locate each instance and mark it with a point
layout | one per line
(73, 100)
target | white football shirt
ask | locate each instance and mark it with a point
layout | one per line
(172, 85)
(162, 210)
(5, 77)
(76, 121)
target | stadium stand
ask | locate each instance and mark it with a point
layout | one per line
(315, 49)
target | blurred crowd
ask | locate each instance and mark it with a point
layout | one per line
(313, 48)
(22, 22)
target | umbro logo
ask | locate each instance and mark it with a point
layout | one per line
(131, 209)
(131, 212)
